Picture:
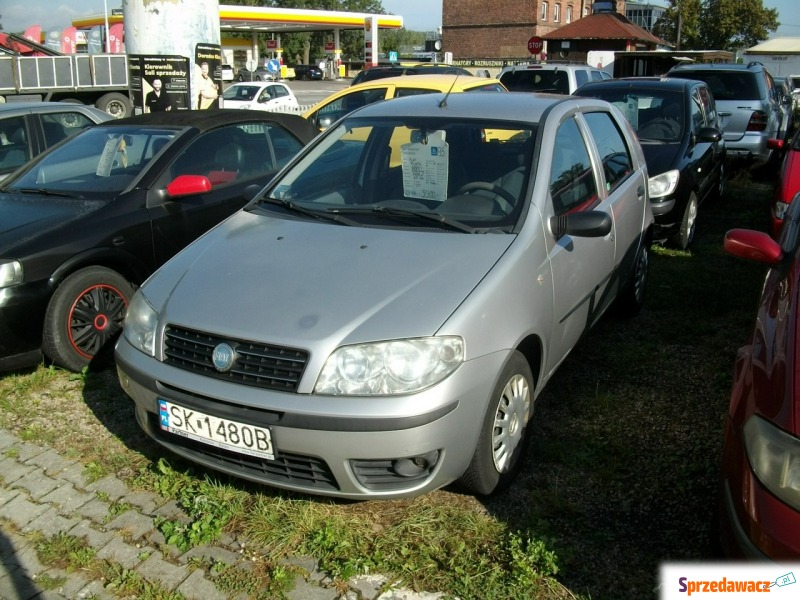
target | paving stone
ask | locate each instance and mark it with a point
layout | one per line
(146, 502)
(96, 591)
(52, 462)
(7, 495)
(16, 585)
(28, 560)
(132, 525)
(303, 590)
(95, 509)
(171, 510)
(96, 538)
(50, 523)
(118, 551)
(27, 451)
(404, 594)
(368, 585)
(110, 486)
(11, 470)
(197, 587)
(73, 583)
(157, 569)
(7, 440)
(210, 554)
(37, 483)
(21, 511)
(75, 476)
(66, 498)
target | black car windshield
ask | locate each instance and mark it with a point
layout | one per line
(656, 115)
(466, 175)
(96, 163)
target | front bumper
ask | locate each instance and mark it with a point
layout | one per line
(356, 448)
(22, 312)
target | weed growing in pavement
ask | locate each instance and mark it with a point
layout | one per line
(262, 580)
(47, 582)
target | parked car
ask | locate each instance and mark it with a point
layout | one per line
(268, 95)
(325, 113)
(379, 320)
(781, 86)
(85, 222)
(678, 126)
(307, 72)
(553, 78)
(382, 72)
(760, 499)
(226, 73)
(788, 184)
(29, 128)
(259, 74)
(747, 103)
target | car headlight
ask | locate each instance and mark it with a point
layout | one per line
(775, 458)
(663, 184)
(140, 324)
(393, 367)
(10, 273)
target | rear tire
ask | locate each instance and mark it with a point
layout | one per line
(84, 317)
(631, 296)
(504, 433)
(116, 104)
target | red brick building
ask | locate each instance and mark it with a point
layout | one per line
(500, 29)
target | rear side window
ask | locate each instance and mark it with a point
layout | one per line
(552, 81)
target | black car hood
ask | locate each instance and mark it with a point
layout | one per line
(27, 216)
(660, 157)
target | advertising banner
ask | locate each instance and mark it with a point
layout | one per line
(159, 83)
(207, 82)
(94, 41)
(116, 34)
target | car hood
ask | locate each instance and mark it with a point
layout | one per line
(319, 285)
(27, 216)
(660, 157)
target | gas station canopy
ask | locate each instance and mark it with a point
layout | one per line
(265, 19)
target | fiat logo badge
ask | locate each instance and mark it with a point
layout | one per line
(223, 357)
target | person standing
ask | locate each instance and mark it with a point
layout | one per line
(209, 91)
(156, 100)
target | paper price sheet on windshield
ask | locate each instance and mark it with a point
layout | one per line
(425, 167)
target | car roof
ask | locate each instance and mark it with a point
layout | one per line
(524, 108)
(205, 120)
(717, 67)
(428, 81)
(661, 83)
(48, 107)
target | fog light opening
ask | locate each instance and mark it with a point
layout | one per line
(416, 465)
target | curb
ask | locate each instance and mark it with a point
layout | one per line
(42, 492)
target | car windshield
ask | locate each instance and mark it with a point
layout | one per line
(244, 93)
(726, 85)
(656, 115)
(96, 163)
(412, 173)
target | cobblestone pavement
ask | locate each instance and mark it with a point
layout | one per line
(41, 491)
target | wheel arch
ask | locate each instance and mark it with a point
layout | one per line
(127, 265)
(532, 349)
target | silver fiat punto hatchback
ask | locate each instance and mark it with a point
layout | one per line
(378, 321)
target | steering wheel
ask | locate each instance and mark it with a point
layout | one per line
(490, 187)
(660, 129)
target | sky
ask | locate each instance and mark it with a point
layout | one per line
(418, 15)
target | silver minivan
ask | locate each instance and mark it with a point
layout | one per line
(747, 103)
(378, 321)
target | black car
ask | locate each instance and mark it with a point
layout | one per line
(679, 130)
(381, 72)
(87, 221)
(306, 72)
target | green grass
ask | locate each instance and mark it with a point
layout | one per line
(621, 473)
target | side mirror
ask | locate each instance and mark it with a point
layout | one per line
(593, 223)
(708, 135)
(752, 245)
(188, 185)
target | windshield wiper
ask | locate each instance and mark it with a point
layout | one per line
(314, 214)
(404, 213)
(46, 192)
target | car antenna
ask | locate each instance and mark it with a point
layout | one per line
(443, 102)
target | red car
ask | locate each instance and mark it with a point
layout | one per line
(760, 500)
(789, 183)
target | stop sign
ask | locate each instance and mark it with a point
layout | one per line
(535, 45)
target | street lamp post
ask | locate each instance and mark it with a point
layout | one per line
(105, 13)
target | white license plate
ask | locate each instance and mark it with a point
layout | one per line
(222, 433)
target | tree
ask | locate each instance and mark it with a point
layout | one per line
(733, 24)
(716, 24)
(687, 13)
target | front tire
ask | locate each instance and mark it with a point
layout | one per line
(504, 432)
(84, 317)
(685, 234)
